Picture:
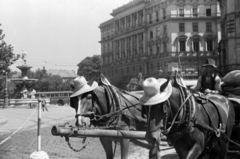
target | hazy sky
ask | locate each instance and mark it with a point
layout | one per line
(57, 34)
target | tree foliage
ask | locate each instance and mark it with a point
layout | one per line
(48, 82)
(90, 67)
(7, 58)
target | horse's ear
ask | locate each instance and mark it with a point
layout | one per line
(103, 80)
(178, 80)
(164, 85)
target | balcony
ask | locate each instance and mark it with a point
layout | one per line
(194, 15)
(189, 54)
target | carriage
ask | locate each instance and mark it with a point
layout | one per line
(107, 107)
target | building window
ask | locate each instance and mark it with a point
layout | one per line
(181, 11)
(208, 26)
(195, 27)
(165, 47)
(182, 44)
(157, 16)
(151, 67)
(209, 44)
(165, 29)
(158, 31)
(208, 11)
(133, 68)
(151, 34)
(127, 69)
(181, 27)
(151, 50)
(196, 44)
(140, 15)
(158, 48)
(140, 68)
(150, 18)
(195, 11)
(164, 13)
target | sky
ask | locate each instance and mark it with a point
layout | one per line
(56, 34)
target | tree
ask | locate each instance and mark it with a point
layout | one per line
(90, 67)
(48, 82)
(7, 58)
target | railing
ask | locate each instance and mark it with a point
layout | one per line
(12, 103)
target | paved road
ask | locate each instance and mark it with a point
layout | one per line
(21, 145)
(21, 125)
(24, 142)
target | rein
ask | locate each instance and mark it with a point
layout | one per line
(94, 117)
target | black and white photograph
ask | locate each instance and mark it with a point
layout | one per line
(119, 79)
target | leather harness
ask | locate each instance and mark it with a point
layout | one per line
(177, 129)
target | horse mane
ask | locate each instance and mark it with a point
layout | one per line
(100, 97)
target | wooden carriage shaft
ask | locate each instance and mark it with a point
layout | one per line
(60, 131)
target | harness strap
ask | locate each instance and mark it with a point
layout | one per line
(212, 127)
(175, 117)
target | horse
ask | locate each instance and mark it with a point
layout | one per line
(111, 108)
(197, 127)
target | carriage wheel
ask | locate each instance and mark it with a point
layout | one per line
(60, 102)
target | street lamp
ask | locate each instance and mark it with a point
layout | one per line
(5, 105)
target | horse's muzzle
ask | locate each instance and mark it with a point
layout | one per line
(153, 136)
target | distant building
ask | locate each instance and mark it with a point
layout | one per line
(144, 35)
(230, 44)
(65, 74)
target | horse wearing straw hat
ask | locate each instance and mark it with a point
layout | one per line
(197, 127)
(107, 107)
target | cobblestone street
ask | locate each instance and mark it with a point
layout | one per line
(21, 145)
(24, 142)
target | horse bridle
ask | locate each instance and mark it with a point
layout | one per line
(166, 105)
(92, 115)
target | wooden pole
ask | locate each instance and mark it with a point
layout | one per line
(75, 132)
(39, 125)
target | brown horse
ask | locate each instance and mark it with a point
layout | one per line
(196, 127)
(111, 108)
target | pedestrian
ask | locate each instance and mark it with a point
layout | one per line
(24, 93)
(44, 103)
(31, 95)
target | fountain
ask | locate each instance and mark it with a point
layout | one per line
(23, 82)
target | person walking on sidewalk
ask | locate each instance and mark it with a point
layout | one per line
(44, 103)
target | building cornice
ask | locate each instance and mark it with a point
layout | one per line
(129, 5)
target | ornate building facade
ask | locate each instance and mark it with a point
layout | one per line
(230, 28)
(146, 35)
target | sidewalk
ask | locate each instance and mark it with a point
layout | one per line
(12, 119)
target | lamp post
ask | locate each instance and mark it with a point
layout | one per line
(5, 105)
